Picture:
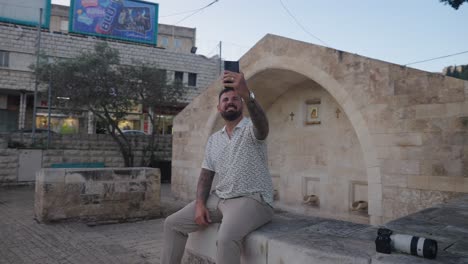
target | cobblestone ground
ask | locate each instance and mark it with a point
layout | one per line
(23, 240)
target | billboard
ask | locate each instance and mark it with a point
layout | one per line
(131, 20)
(25, 12)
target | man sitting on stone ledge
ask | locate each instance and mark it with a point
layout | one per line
(243, 197)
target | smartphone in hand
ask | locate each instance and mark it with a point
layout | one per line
(231, 66)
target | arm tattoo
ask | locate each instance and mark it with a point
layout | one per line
(204, 185)
(259, 119)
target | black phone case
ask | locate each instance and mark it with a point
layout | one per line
(231, 66)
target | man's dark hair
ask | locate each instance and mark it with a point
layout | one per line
(225, 90)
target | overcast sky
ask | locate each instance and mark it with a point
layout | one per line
(397, 31)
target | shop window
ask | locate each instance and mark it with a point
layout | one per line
(58, 123)
(192, 79)
(164, 124)
(178, 77)
(4, 58)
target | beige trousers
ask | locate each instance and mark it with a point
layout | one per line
(238, 217)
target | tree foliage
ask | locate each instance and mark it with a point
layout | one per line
(152, 90)
(454, 3)
(460, 72)
(97, 82)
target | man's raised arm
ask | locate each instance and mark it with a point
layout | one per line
(258, 116)
(259, 119)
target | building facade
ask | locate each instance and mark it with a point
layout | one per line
(18, 45)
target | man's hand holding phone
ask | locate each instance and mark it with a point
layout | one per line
(235, 79)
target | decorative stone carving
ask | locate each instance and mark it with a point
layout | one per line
(360, 206)
(358, 197)
(312, 200)
(310, 191)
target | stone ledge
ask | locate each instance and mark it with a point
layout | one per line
(97, 195)
(292, 238)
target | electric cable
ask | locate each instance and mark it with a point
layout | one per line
(436, 58)
(301, 26)
(196, 11)
(181, 13)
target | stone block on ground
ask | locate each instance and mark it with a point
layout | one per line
(97, 195)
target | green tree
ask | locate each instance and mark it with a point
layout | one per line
(97, 82)
(460, 72)
(464, 72)
(454, 3)
(155, 93)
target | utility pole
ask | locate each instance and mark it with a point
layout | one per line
(36, 82)
(49, 104)
(220, 57)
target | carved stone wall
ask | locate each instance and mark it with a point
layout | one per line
(109, 194)
(410, 126)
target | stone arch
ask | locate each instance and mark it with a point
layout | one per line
(340, 94)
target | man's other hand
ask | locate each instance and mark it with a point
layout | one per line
(202, 216)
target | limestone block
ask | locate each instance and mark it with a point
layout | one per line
(398, 139)
(401, 167)
(387, 208)
(389, 152)
(453, 90)
(461, 185)
(389, 193)
(418, 125)
(418, 182)
(375, 207)
(431, 110)
(95, 194)
(307, 247)
(442, 183)
(408, 81)
(413, 152)
(374, 175)
(409, 196)
(376, 220)
(400, 209)
(93, 187)
(455, 109)
(398, 180)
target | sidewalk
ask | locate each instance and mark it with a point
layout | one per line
(23, 240)
(297, 239)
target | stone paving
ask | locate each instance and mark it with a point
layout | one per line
(23, 240)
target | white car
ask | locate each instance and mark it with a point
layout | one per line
(134, 132)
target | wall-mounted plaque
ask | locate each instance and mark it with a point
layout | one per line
(312, 112)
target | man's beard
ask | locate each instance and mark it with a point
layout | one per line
(231, 115)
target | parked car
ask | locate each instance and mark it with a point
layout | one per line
(134, 132)
(38, 131)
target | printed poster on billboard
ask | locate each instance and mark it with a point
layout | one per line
(131, 20)
(25, 12)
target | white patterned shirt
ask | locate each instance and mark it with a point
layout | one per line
(241, 163)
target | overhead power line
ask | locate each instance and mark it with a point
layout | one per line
(181, 13)
(436, 58)
(301, 26)
(196, 11)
